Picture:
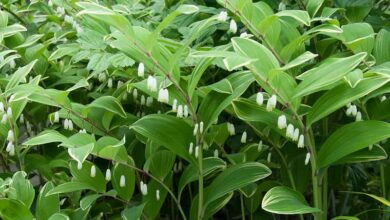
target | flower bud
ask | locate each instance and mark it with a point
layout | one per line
(307, 159)
(149, 101)
(122, 181)
(196, 127)
(282, 122)
(271, 103)
(93, 171)
(259, 98)
(243, 137)
(157, 195)
(290, 131)
(191, 148)
(143, 100)
(108, 175)
(66, 124)
(135, 94)
(163, 95)
(174, 105)
(358, 116)
(216, 153)
(56, 117)
(141, 70)
(231, 129)
(10, 136)
(9, 147)
(201, 127)
(233, 26)
(295, 135)
(70, 125)
(383, 98)
(152, 83)
(180, 112)
(196, 151)
(109, 83)
(269, 157)
(222, 16)
(185, 112)
(301, 141)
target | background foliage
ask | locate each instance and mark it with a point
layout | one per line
(228, 109)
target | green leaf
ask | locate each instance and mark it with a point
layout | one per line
(266, 61)
(59, 216)
(351, 138)
(45, 137)
(81, 153)
(19, 75)
(210, 165)
(69, 187)
(377, 198)
(164, 129)
(110, 104)
(87, 201)
(299, 15)
(301, 59)
(11, 30)
(233, 178)
(341, 95)
(64, 50)
(47, 205)
(364, 155)
(314, 80)
(133, 213)
(283, 200)
(358, 37)
(313, 6)
(160, 163)
(12, 209)
(382, 47)
(21, 189)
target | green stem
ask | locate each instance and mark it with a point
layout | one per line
(242, 207)
(200, 181)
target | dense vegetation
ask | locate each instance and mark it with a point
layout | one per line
(195, 109)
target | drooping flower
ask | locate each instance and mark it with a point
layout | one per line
(191, 148)
(295, 135)
(185, 111)
(9, 112)
(9, 147)
(144, 188)
(157, 195)
(10, 136)
(259, 98)
(122, 181)
(358, 116)
(271, 103)
(222, 16)
(231, 129)
(4, 119)
(1, 107)
(21, 119)
(56, 117)
(152, 83)
(174, 105)
(143, 100)
(243, 137)
(163, 95)
(260, 146)
(307, 159)
(180, 112)
(70, 125)
(135, 94)
(290, 131)
(244, 35)
(141, 70)
(269, 157)
(109, 83)
(102, 77)
(201, 127)
(216, 153)
(108, 175)
(383, 98)
(233, 26)
(79, 165)
(301, 141)
(196, 127)
(149, 101)
(93, 171)
(282, 122)
(196, 151)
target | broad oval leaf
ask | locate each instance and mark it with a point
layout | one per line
(13, 209)
(351, 138)
(283, 200)
(109, 103)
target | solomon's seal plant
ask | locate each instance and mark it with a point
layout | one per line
(190, 109)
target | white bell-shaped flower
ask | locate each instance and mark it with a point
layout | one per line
(233, 26)
(185, 111)
(231, 129)
(152, 83)
(307, 159)
(196, 151)
(141, 70)
(163, 95)
(135, 94)
(122, 181)
(243, 137)
(301, 141)
(174, 105)
(180, 111)
(143, 100)
(358, 116)
(259, 98)
(109, 83)
(93, 171)
(290, 131)
(222, 16)
(196, 128)
(201, 124)
(271, 103)
(149, 101)
(216, 153)
(295, 135)
(56, 117)
(282, 122)
(10, 136)
(157, 195)
(108, 175)
(191, 148)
